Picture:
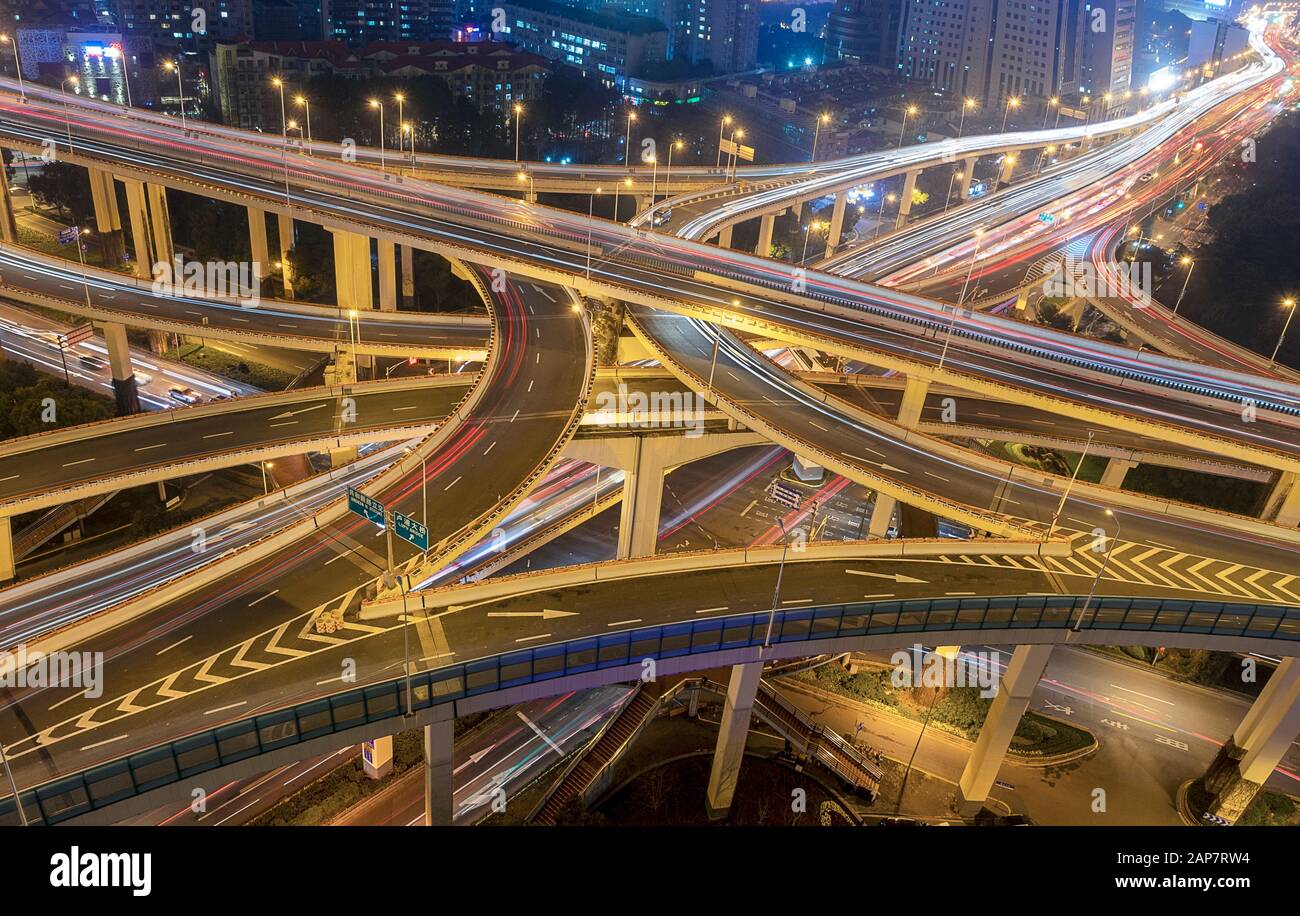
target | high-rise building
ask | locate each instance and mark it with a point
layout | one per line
(1214, 44)
(359, 22)
(185, 23)
(1108, 47)
(608, 46)
(722, 32)
(1201, 10)
(992, 49)
(865, 31)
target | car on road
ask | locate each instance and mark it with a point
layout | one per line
(142, 378)
(663, 216)
(184, 394)
(94, 363)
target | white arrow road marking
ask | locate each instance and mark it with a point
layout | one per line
(547, 614)
(893, 577)
(293, 413)
(474, 758)
(541, 734)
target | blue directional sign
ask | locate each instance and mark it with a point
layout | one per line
(408, 529)
(366, 507)
(69, 235)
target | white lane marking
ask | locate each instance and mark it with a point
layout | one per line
(145, 448)
(412, 407)
(490, 447)
(450, 485)
(175, 644)
(78, 694)
(285, 423)
(623, 623)
(710, 610)
(798, 601)
(10, 477)
(219, 435)
(531, 638)
(881, 595)
(91, 747)
(1144, 695)
(264, 597)
(224, 708)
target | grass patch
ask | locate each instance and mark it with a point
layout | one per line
(957, 710)
(268, 378)
(1271, 809)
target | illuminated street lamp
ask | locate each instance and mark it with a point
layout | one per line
(113, 52)
(821, 119)
(1101, 571)
(814, 226)
(627, 140)
(169, 66)
(401, 146)
(966, 105)
(979, 236)
(305, 103)
(376, 104)
(880, 217)
(668, 178)
(726, 119)
(284, 125)
(736, 135)
(591, 211)
(1187, 262)
(67, 115)
(1053, 102)
(947, 201)
(519, 112)
(909, 110)
(528, 177)
(1012, 102)
(1289, 304)
(18, 65)
(266, 489)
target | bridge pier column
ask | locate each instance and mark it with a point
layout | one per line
(119, 361)
(439, 739)
(257, 240)
(766, 225)
(967, 176)
(882, 515)
(352, 284)
(905, 199)
(807, 470)
(1283, 504)
(730, 750)
(724, 237)
(644, 203)
(108, 219)
(387, 276)
(643, 495)
(8, 223)
(161, 223)
(284, 231)
(1257, 745)
(909, 410)
(1008, 166)
(6, 549)
(138, 212)
(837, 222)
(408, 276)
(1017, 686)
(1116, 470)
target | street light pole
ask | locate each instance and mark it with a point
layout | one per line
(591, 211)
(979, 236)
(284, 125)
(180, 87)
(376, 103)
(947, 201)
(306, 104)
(726, 119)
(18, 65)
(519, 110)
(1290, 304)
(909, 110)
(1101, 571)
(1191, 266)
(1060, 506)
(776, 595)
(961, 123)
(1012, 102)
(821, 119)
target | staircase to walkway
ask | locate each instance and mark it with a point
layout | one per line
(604, 750)
(55, 521)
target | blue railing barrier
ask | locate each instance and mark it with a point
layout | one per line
(105, 784)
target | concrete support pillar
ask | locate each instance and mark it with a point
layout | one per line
(1024, 670)
(258, 243)
(1008, 166)
(837, 222)
(161, 223)
(6, 549)
(352, 273)
(724, 237)
(807, 470)
(284, 229)
(387, 276)
(643, 203)
(439, 739)
(1116, 469)
(643, 494)
(905, 199)
(8, 223)
(967, 176)
(766, 224)
(730, 751)
(408, 275)
(119, 361)
(108, 219)
(1257, 745)
(138, 211)
(1283, 503)
(882, 515)
(909, 411)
